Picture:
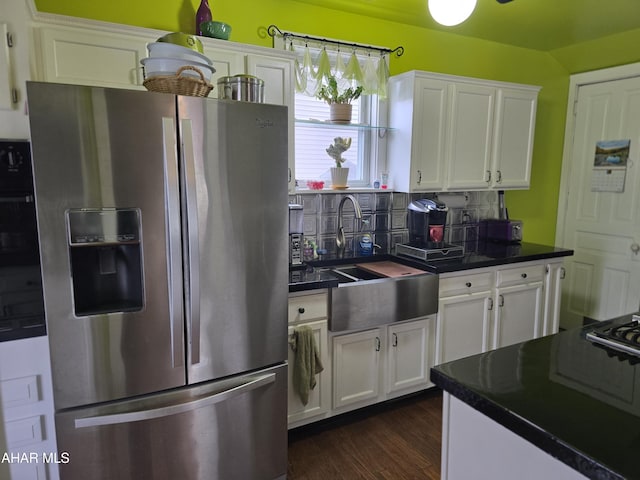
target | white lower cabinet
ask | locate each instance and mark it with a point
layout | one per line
(356, 364)
(320, 397)
(463, 325)
(487, 308)
(478, 310)
(410, 355)
(310, 310)
(518, 305)
(396, 357)
(27, 426)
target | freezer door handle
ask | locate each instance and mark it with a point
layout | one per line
(172, 220)
(193, 309)
(249, 383)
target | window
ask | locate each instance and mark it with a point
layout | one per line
(312, 138)
(351, 63)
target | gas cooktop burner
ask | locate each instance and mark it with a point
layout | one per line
(623, 338)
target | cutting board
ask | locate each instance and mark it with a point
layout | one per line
(390, 269)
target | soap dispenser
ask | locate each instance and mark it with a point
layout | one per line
(366, 245)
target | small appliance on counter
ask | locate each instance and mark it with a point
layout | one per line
(501, 230)
(296, 227)
(427, 224)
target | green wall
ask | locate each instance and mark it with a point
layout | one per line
(424, 50)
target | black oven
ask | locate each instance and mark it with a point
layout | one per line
(21, 302)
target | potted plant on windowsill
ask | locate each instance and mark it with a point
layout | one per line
(339, 174)
(339, 102)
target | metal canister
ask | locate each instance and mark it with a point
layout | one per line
(245, 88)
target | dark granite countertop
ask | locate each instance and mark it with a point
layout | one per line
(486, 255)
(565, 395)
(489, 254)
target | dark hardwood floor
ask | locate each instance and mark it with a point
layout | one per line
(398, 440)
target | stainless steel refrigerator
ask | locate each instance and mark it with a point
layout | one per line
(163, 236)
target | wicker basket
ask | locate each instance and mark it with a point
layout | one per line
(179, 84)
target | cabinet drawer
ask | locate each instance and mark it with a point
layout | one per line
(307, 307)
(475, 282)
(528, 274)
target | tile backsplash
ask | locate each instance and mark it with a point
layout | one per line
(384, 216)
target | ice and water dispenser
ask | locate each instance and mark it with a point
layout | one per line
(106, 260)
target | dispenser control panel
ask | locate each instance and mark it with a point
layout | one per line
(100, 226)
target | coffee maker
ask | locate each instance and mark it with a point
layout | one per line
(427, 224)
(427, 221)
(296, 227)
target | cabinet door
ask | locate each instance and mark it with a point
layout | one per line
(226, 63)
(319, 397)
(463, 326)
(513, 138)
(429, 135)
(408, 355)
(470, 135)
(555, 273)
(86, 57)
(277, 74)
(518, 314)
(356, 372)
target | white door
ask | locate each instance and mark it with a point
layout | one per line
(356, 374)
(319, 398)
(469, 140)
(518, 314)
(463, 326)
(603, 228)
(407, 357)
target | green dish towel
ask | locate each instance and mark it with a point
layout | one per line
(306, 362)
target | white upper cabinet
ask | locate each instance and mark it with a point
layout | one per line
(513, 137)
(85, 57)
(469, 139)
(414, 154)
(457, 133)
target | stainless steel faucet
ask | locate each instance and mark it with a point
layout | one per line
(340, 241)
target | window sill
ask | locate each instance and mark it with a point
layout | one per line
(303, 191)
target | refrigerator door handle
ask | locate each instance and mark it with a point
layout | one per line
(193, 308)
(172, 219)
(253, 383)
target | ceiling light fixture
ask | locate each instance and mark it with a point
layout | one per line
(451, 12)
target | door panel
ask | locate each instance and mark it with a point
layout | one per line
(231, 429)
(602, 227)
(471, 129)
(88, 153)
(235, 164)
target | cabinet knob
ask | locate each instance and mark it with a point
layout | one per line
(300, 309)
(419, 177)
(468, 284)
(635, 248)
(499, 179)
(488, 176)
(524, 275)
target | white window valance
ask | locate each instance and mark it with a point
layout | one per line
(351, 64)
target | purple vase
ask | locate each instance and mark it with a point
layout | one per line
(202, 15)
